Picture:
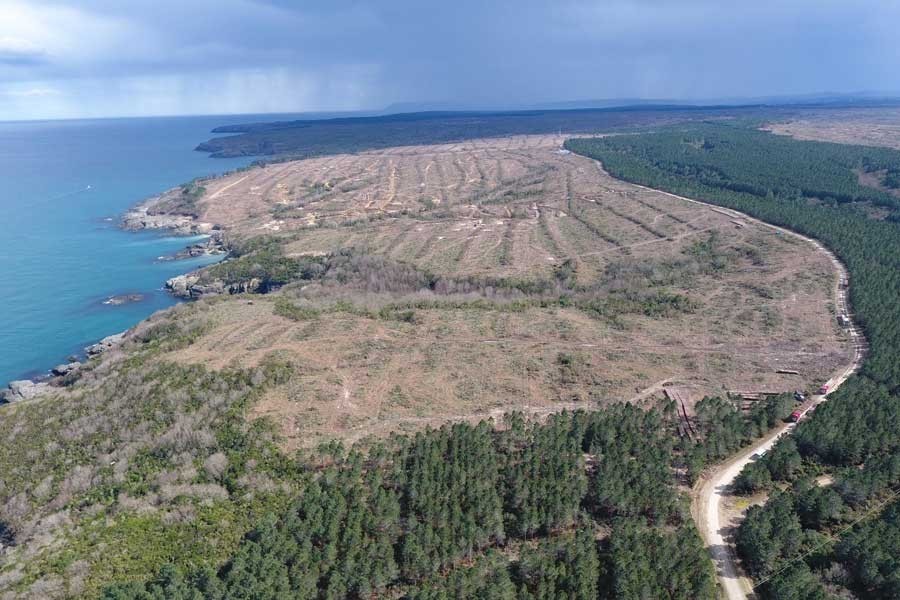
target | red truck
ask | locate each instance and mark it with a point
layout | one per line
(795, 416)
(823, 389)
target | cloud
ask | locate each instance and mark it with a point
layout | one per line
(15, 51)
(32, 92)
(73, 41)
(214, 56)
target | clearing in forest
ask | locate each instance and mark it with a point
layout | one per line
(860, 126)
(541, 283)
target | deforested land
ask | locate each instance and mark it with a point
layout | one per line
(487, 368)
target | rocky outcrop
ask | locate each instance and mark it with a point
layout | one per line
(140, 218)
(192, 287)
(24, 389)
(211, 246)
(251, 286)
(180, 285)
(64, 369)
(166, 211)
(110, 341)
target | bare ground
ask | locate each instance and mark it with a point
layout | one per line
(512, 208)
(868, 127)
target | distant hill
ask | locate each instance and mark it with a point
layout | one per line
(309, 137)
(354, 132)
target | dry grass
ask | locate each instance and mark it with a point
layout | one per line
(514, 208)
(867, 127)
(511, 207)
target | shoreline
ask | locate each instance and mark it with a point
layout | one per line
(149, 214)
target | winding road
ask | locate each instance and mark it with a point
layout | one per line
(708, 494)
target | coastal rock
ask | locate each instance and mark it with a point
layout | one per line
(193, 250)
(65, 369)
(214, 288)
(24, 389)
(140, 218)
(181, 285)
(151, 214)
(124, 299)
(212, 246)
(105, 344)
(190, 287)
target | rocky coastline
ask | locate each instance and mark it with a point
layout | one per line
(170, 211)
(150, 215)
(156, 213)
(139, 218)
(213, 245)
(61, 375)
(192, 287)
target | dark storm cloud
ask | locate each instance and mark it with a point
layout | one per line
(246, 55)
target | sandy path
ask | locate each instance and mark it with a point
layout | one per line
(708, 494)
(223, 189)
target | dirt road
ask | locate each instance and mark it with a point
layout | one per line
(708, 494)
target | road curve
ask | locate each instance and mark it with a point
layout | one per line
(707, 496)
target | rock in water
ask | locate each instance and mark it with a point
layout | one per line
(124, 299)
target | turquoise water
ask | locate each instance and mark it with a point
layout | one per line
(63, 185)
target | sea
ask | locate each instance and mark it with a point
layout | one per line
(63, 187)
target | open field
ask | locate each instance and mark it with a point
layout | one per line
(866, 127)
(519, 210)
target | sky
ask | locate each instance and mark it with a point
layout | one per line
(104, 58)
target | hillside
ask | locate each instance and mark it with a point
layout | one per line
(404, 289)
(465, 253)
(827, 526)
